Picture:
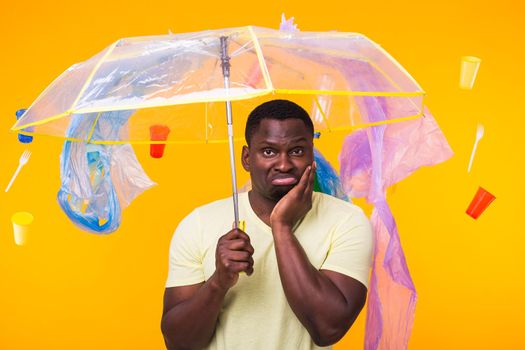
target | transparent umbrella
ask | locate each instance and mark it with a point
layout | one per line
(188, 83)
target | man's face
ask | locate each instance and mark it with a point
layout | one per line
(278, 154)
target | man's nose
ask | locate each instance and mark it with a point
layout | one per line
(284, 163)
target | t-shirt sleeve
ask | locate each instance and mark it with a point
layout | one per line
(351, 249)
(185, 258)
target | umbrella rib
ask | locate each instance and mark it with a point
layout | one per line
(90, 135)
(169, 103)
(262, 62)
(322, 112)
(40, 122)
(95, 69)
(396, 63)
(382, 122)
(391, 81)
(349, 93)
(237, 52)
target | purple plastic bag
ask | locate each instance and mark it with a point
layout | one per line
(372, 160)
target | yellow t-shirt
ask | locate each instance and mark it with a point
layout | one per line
(335, 235)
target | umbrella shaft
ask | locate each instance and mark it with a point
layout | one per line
(225, 63)
(232, 163)
(232, 156)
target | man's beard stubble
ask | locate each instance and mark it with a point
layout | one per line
(278, 193)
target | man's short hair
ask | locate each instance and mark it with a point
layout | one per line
(276, 109)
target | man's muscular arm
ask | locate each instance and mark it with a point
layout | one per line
(191, 312)
(325, 302)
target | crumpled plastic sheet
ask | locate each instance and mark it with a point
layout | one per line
(371, 160)
(98, 181)
(288, 25)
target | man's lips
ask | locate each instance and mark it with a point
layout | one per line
(283, 181)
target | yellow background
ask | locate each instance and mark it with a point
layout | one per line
(68, 289)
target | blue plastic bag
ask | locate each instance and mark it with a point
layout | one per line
(98, 181)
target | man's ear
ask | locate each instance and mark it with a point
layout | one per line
(245, 158)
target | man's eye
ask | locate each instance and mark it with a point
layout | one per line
(268, 152)
(297, 151)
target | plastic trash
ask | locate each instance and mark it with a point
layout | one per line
(158, 133)
(480, 202)
(326, 178)
(24, 158)
(21, 137)
(287, 25)
(469, 70)
(21, 222)
(480, 131)
(98, 181)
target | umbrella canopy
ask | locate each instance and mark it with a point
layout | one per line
(177, 79)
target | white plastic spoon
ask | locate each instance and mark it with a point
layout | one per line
(479, 134)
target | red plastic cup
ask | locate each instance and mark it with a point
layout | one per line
(481, 201)
(158, 133)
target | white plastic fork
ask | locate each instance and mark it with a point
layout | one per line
(23, 161)
(480, 131)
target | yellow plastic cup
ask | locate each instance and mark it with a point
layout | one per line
(21, 222)
(469, 70)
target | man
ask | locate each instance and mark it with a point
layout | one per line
(297, 280)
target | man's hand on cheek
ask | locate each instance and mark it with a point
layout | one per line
(296, 203)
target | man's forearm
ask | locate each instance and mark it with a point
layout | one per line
(315, 300)
(191, 323)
